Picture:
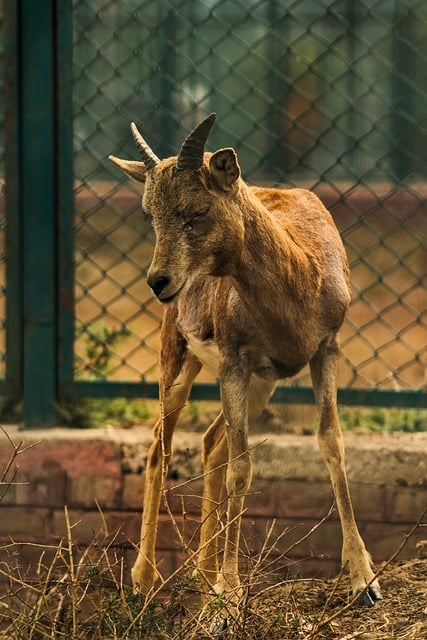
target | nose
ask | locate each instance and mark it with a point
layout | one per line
(158, 283)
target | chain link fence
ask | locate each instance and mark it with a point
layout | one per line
(329, 95)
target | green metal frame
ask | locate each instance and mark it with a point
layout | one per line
(39, 176)
(282, 394)
(11, 387)
(40, 278)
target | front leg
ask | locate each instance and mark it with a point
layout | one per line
(178, 370)
(234, 394)
(215, 456)
(173, 398)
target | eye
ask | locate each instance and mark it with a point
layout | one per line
(196, 221)
(188, 226)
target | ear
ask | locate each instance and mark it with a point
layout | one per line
(224, 168)
(135, 170)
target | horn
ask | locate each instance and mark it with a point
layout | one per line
(149, 158)
(193, 147)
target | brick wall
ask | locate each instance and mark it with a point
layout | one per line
(93, 471)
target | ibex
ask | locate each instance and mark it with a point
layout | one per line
(256, 285)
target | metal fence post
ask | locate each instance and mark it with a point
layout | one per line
(64, 196)
(13, 377)
(34, 197)
(38, 211)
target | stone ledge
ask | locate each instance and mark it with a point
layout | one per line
(371, 458)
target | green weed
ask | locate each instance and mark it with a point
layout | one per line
(98, 412)
(383, 419)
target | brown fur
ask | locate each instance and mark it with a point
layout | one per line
(257, 286)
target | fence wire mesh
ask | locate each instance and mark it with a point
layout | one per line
(329, 95)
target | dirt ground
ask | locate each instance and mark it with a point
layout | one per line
(317, 609)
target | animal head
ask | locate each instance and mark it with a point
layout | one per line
(191, 200)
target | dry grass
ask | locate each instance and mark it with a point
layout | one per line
(79, 594)
(98, 607)
(318, 609)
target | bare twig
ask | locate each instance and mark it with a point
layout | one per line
(17, 449)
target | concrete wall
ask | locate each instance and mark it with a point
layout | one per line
(77, 468)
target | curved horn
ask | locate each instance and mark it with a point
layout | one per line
(193, 147)
(149, 158)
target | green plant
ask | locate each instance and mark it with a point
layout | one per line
(100, 341)
(96, 412)
(10, 411)
(194, 409)
(384, 419)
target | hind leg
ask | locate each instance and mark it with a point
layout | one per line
(354, 553)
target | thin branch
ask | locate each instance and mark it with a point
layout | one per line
(17, 449)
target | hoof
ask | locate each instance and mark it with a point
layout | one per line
(370, 596)
(219, 626)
